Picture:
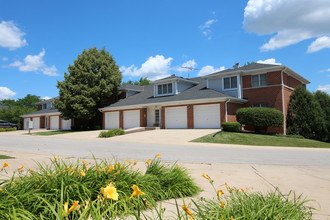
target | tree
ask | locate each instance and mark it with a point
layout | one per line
(13, 109)
(324, 101)
(143, 81)
(92, 83)
(305, 116)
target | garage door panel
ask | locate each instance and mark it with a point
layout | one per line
(54, 122)
(111, 120)
(131, 119)
(26, 123)
(36, 123)
(207, 116)
(176, 117)
(66, 124)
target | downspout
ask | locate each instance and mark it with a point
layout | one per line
(283, 108)
(226, 109)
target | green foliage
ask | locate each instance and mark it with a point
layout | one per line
(7, 129)
(305, 116)
(41, 194)
(257, 206)
(13, 109)
(260, 118)
(6, 157)
(231, 126)
(111, 133)
(143, 81)
(324, 101)
(92, 80)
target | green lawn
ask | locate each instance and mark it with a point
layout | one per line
(6, 157)
(261, 140)
(47, 133)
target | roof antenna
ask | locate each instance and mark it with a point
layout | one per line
(189, 68)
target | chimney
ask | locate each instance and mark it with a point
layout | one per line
(236, 66)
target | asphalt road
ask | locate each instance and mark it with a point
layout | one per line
(198, 153)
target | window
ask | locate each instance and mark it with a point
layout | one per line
(157, 116)
(230, 82)
(259, 80)
(165, 89)
(44, 106)
(260, 105)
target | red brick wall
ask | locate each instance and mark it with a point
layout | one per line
(190, 116)
(103, 120)
(274, 78)
(39, 107)
(121, 119)
(290, 81)
(272, 96)
(42, 122)
(231, 111)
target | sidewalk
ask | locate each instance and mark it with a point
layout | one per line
(312, 182)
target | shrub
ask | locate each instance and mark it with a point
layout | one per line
(231, 126)
(111, 133)
(260, 118)
(7, 129)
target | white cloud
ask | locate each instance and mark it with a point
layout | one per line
(6, 93)
(206, 28)
(269, 61)
(156, 67)
(292, 21)
(319, 44)
(326, 70)
(4, 58)
(324, 88)
(46, 97)
(35, 63)
(209, 69)
(11, 37)
(187, 66)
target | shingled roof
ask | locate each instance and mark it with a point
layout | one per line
(42, 112)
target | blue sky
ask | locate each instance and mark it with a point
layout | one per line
(148, 38)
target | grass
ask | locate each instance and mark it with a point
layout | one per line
(7, 129)
(73, 190)
(6, 157)
(111, 133)
(261, 140)
(49, 133)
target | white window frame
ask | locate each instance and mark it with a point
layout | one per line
(164, 94)
(260, 105)
(259, 81)
(229, 77)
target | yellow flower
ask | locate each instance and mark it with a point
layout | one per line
(103, 168)
(31, 170)
(231, 218)
(82, 173)
(241, 190)
(146, 203)
(220, 193)
(186, 209)
(111, 168)
(1, 189)
(65, 208)
(157, 156)
(5, 165)
(116, 172)
(148, 161)
(222, 204)
(21, 167)
(110, 192)
(74, 206)
(206, 176)
(136, 191)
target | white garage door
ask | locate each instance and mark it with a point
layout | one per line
(176, 117)
(207, 116)
(26, 123)
(36, 123)
(54, 122)
(66, 124)
(111, 120)
(131, 119)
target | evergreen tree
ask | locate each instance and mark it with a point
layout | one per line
(305, 116)
(92, 83)
(324, 100)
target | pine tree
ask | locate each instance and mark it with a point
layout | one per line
(324, 100)
(305, 116)
(91, 82)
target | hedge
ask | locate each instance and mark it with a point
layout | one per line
(111, 133)
(231, 126)
(260, 118)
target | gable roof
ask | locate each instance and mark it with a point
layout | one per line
(52, 111)
(174, 78)
(195, 92)
(131, 87)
